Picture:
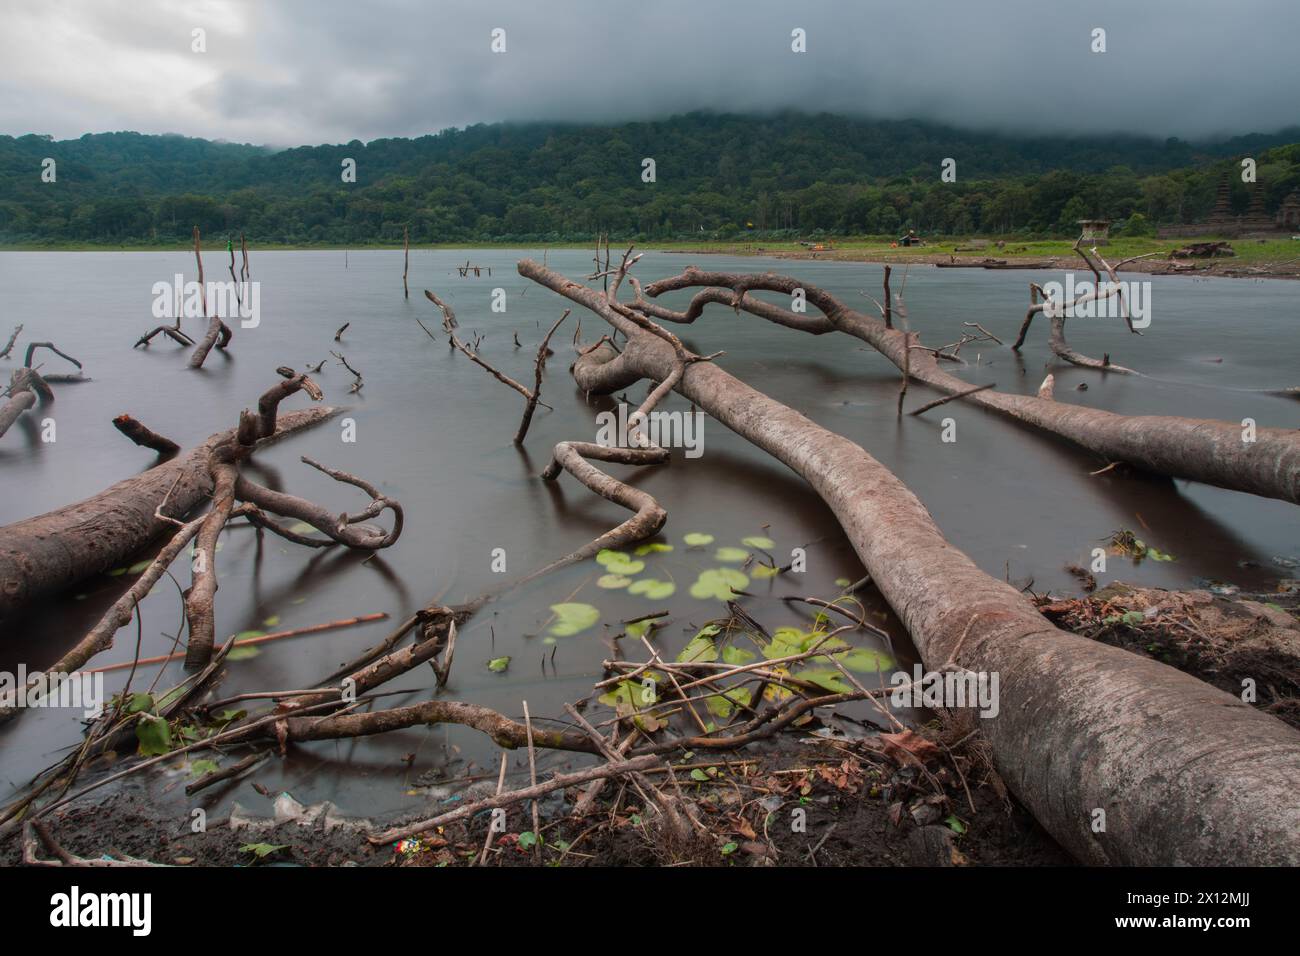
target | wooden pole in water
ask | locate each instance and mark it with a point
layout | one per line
(406, 264)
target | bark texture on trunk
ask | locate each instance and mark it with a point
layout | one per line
(42, 555)
(1184, 773)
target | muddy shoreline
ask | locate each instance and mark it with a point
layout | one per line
(828, 793)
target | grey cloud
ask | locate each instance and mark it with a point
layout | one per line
(299, 72)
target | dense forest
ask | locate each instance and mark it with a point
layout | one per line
(715, 176)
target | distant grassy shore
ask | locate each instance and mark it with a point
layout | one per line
(1274, 257)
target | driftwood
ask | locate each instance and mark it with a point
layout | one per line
(1196, 449)
(43, 555)
(532, 396)
(26, 387)
(1201, 798)
(218, 333)
(229, 487)
(9, 346)
(146, 437)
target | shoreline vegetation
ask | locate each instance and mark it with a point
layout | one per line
(1254, 257)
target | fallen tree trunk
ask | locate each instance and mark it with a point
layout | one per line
(1176, 771)
(45, 554)
(1198, 449)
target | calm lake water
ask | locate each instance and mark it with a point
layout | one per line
(434, 431)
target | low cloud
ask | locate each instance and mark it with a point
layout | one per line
(297, 72)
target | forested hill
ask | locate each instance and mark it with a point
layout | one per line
(715, 175)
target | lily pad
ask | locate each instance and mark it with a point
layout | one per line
(498, 665)
(572, 618)
(831, 680)
(697, 539)
(719, 583)
(729, 555)
(701, 647)
(735, 656)
(865, 659)
(639, 628)
(724, 705)
(616, 562)
(612, 581)
(758, 541)
(763, 571)
(652, 547)
(652, 588)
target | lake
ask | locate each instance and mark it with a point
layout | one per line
(434, 431)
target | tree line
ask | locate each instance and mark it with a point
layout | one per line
(714, 176)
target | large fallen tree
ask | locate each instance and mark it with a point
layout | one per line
(45, 554)
(1123, 760)
(1265, 462)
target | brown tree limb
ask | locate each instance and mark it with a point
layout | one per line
(1196, 449)
(1200, 797)
(559, 781)
(9, 346)
(145, 437)
(218, 333)
(42, 555)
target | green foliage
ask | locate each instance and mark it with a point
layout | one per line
(720, 176)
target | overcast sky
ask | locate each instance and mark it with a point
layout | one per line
(294, 72)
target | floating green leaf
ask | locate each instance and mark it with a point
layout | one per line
(616, 562)
(612, 581)
(865, 659)
(758, 541)
(832, 681)
(200, 767)
(724, 705)
(763, 571)
(735, 656)
(697, 539)
(302, 527)
(271, 621)
(700, 648)
(718, 583)
(140, 566)
(238, 653)
(842, 582)
(572, 618)
(730, 555)
(652, 547)
(498, 664)
(154, 735)
(639, 628)
(652, 588)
